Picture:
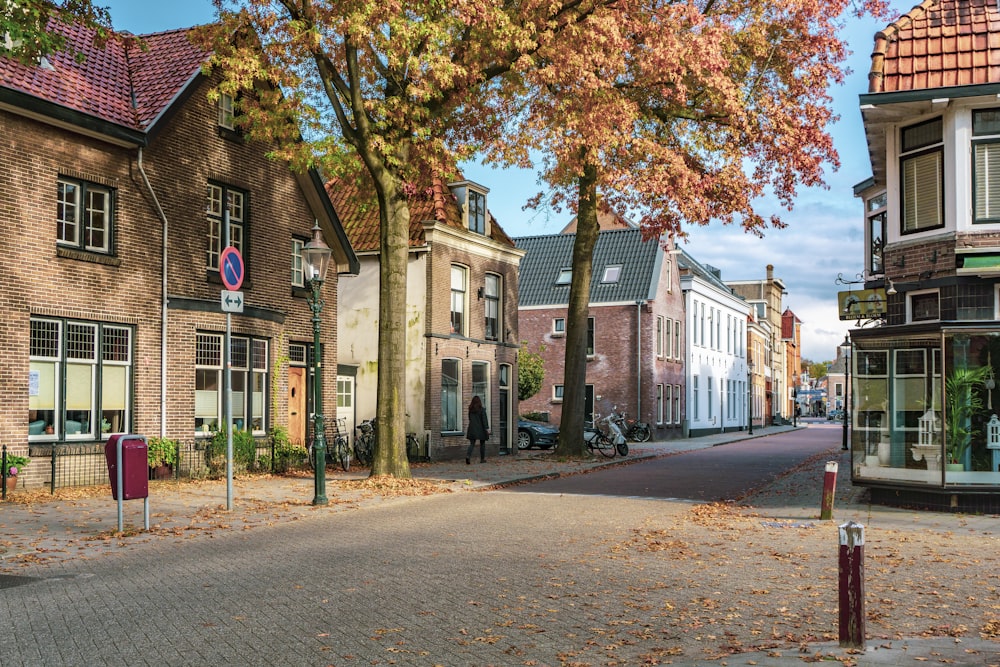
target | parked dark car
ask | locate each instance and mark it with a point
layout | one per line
(536, 434)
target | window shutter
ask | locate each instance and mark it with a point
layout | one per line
(987, 157)
(922, 192)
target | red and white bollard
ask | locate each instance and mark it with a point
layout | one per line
(829, 490)
(852, 585)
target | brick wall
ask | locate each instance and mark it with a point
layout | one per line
(38, 279)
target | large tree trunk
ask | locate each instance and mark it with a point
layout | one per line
(390, 410)
(571, 443)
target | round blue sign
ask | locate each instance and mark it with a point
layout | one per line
(231, 268)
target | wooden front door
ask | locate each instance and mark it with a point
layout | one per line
(297, 404)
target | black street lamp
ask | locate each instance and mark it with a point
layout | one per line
(846, 350)
(749, 398)
(316, 260)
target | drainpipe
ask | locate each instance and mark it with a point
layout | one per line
(638, 358)
(163, 302)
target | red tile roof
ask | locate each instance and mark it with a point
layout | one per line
(938, 43)
(358, 213)
(105, 82)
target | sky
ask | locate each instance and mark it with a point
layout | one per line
(824, 237)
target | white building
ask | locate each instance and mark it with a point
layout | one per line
(716, 365)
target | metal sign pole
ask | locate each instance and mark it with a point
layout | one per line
(228, 398)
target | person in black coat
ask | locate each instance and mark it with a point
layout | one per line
(479, 429)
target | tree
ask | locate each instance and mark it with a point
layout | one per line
(358, 86)
(686, 112)
(31, 28)
(530, 372)
(817, 369)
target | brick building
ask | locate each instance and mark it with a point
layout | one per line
(118, 175)
(635, 327)
(462, 320)
(922, 391)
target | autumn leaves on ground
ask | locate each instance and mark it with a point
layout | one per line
(714, 580)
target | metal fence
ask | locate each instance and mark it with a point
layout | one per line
(62, 465)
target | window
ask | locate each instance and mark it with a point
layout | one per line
(711, 413)
(660, 418)
(249, 387)
(227, 114)
(702, 316)
(223, 200)
(611, 273)
(974, 302)
(79, 382)
(694, 323)
(677, 404)
(344, 392)
(986, 165)
(559, 326)
(924, 306)
(694, 395)
(298, 272)
(921, 176)
(83, 216)
(481, 381)
(659, 335)
(667, 264)
(459, 280)
(565, 277)
(477, 212)
(451, 377)
(491, 293)
(876, 233)
(677, 339)
(590, 336)
(557, 393)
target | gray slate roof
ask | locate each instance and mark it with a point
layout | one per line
(707, 273)
(545, 256)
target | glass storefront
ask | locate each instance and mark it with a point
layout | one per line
(924, 409)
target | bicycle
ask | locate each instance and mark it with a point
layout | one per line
(364, 443)
(598, 440)
(338, 449)
(413, 449)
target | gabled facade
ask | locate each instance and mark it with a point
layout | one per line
(922, 389)
(716, 365)
(765, 296)
(791, 336)
(462, 322)
(118, 173)
(635, 359)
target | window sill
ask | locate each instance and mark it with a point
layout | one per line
(452, 434)
(85, 256)
(556, 400)
(558, 334)
(591, 357)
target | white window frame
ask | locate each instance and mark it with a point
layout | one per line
(451, 408)
(481, 387)
(227, 111)
(557, 393)
(921, 200)
(565, 276)
(80, 219)
(921, 293)
(612, 274)
(558, 327)
(298, 265)
(677, 404)
(659, 335)
(476, 212)
(493, 296)
(459, 307)
(236, 201)
(985, 172)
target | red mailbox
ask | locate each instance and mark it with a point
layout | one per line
(135, 465)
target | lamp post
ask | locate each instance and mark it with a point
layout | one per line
(749, 398)
(846, 349)
(316, 259)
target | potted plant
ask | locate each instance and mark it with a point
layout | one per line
(161, 454)
(962, 403)
(15, 464)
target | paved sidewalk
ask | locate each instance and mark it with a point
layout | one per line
(68, 526)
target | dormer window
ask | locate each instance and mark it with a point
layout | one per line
(876, 233)
(471, 199)
(477, 212)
